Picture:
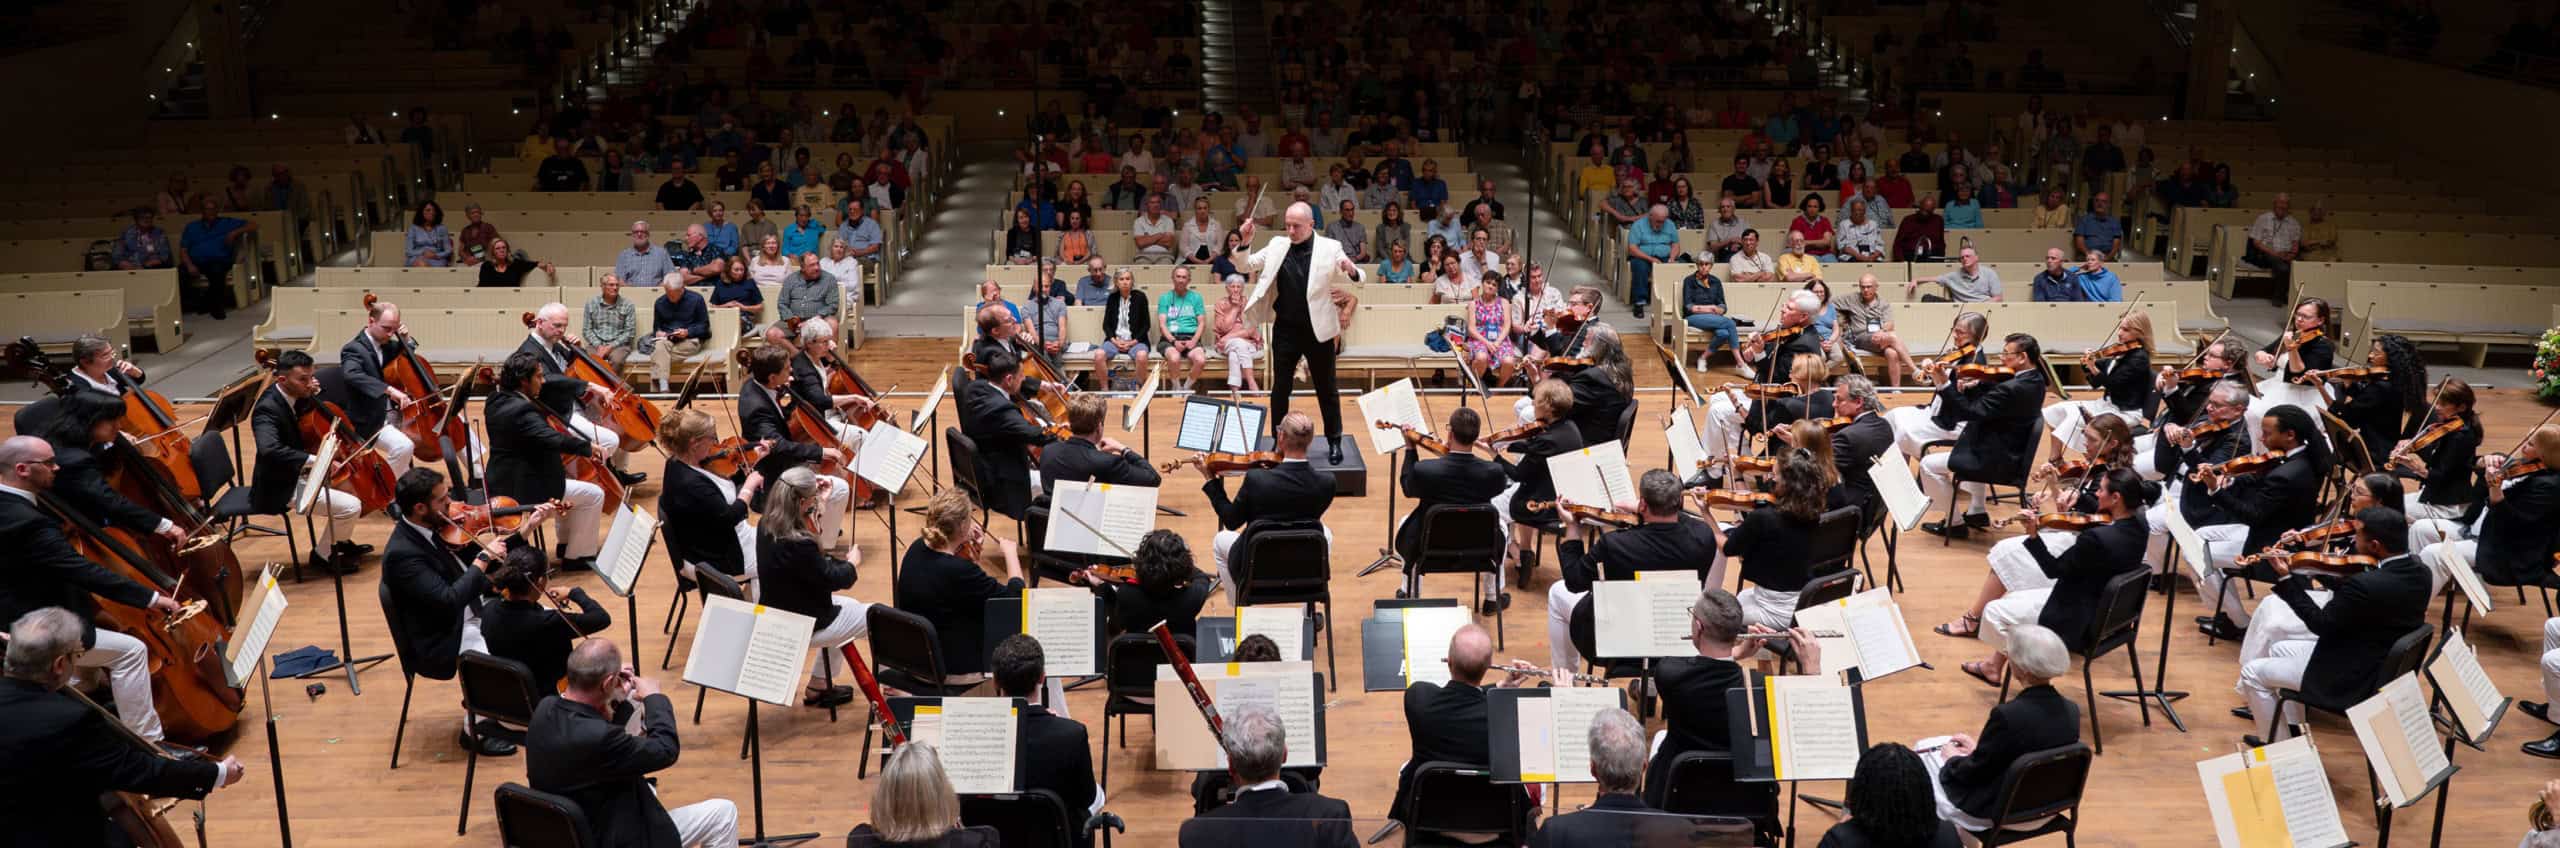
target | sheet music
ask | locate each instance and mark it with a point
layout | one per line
(2466, 687)
(1427, 631)
(750, 650)
(1815, 726)
(2190, 546)
(2399, 738)
(1593, 476)
(2458, 564)
(265, 607)
(315, 476)
(932, 401)
(1099, 518)
(1686, 452)
(1644, 617)
(1182, 738)
(1536, 734)
(1067, 625)
(1284, 625)
(1203, 430)
(1902, 496)
(979, 741)
(1137, 411)
(1574, 708)
(2272, 796)
(626, 546)
(1830, 627)
(1293, 696)
(1396, 402)
(1883, 640)
(888, 456)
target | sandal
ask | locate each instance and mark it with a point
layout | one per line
(1979, 670)
(1973, 627)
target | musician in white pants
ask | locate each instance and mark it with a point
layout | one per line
(1915, 427)
(550, 334)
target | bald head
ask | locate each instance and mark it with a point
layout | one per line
(21, 458)
(1300, 219)
(1470, 653)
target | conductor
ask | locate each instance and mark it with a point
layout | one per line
(1294, 294)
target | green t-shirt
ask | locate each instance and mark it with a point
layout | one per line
(1180, 312)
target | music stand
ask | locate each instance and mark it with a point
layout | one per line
(347, 658)
(231, 406)
(718, 661)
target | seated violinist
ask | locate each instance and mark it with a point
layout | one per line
(2442, 455)
(1549, 433)
(1004, 435)
(83, 435)
(2072, 577)
(1088, 456)
(2183, 394)
(1998, 439)
(1459, 478)
(549, 342)
(1914, 427)
(2347, 634)
(1291, 491)
(942, 582)
(1663, 537)
(2262, 496)
(1811, 400)
(2123, 377)
(284, 457)
(703, 514)
(2061, 488)
(2513, 539)
(1769, 355)
(438, 588)
(1169, 587)
(517, 626)
(762, 421)
(529, 447)
(2213, 438)
(46, 571)
(2274, 624)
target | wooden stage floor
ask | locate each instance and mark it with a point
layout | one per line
(2144, 790)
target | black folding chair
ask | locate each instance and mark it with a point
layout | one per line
(530, 818)
(2040, 796)
(906, 654)
(1701, 783)
(499, 690)
(1034, 819)
(1287, 563)
(2119, 621)
(1450, 800)
(1955, 492)
(2405, 655)
(219, 477)
(1129, 665)
(1459, 539)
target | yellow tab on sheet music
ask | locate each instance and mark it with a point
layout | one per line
(759, 609)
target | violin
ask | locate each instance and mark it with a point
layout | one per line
(1763, 391)
(623, 409)
(1750, 465)
(2344, 375)
(1127, 574)
(1834, 423)
(1986, 373)
(501, 515)
(2065, 469)
(1732, 498)
(1777, 336)
(2309, 559)
(733, 455)
(1417, 438)
(1605, 516)
(2519, 469)
(2199, 376)
(1226, 462)
(1522, 431)
(2322, 532)
(1950, 359)
(2250, 464)
(2430, 436)
(1568, 363)
(2211, 427)
(1565, 320)
(2066, 522)
(2114, 350)
(2299, 339)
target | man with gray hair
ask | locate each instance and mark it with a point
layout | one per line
(1854, 448)
(1666, 537)
(680, 324)
(1968, 283)
(1720, 430)
(579, 745)
(1617, 763)
(62, 750)
(565, 394)
(1693, 703)
(1293, 293)
(1967, 771)
(1257, 744)
(45, 571)
(644, 260)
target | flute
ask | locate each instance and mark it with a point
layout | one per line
(1521, 668)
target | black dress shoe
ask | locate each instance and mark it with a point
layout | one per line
(489, 746)
(2206, 619)
(2536, 709)
(1333, 450)
(2253, 741)
(1494, 604)
(1939, 528)
(2547, 747)
(578, 564)
(1978, 520)
(2243, 714)
(835, 696)
(2221, 627)
(630, 478)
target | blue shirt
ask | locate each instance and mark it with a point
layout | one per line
(743, 292)
(642, 268)
(206, 241)
(1781, 130)
(2099, 233)
(800, 238)
(862, 234)
(1092, 290)
(724, 238)
(1823, 322)
(1043, 215)
(1963, 215)
(1428, 192)
(688, 314)
(1007, 304)
(2057, 288)
(1657, 241)
(2101, 287)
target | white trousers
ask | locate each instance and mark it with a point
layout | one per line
(472, 640)
(597, 434)
(2431, 523)
(2155, 550)
(2017, 609)
(1771, 608)
(2280, 669)
(578, 531)
(705, 824)
(2442, 570)
(2222, 544)
(1913, 428)
(2146, 451)
(2275, 624)
(1939, 483)
(2065, 419)
(1947, 809)
(1560, 603)
(2551, 660)
(1240, 354)
(834, 496)
(852, 622)
(396, 447)
(2016, 566)
(128, 665)
(339, 511)
(1720, 430)
(1225, 541)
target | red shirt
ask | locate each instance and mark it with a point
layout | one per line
(1097, 162)
(1896, 191)
(1820, 228)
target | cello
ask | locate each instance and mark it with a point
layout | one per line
(150, 421)
(630, 416)
(190, 688)
(580, 467)
(362, 472)
(425, 417)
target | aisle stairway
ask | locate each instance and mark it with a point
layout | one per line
(1236, 58)
(948, 259)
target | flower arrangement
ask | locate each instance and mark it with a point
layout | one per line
(2546, 365)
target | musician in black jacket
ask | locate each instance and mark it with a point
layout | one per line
(437, 588)
(2351, 631)
(527, 458)
(1854, 448)
(1170, 588)
(2511, 541)
(1665, 539)
(1460, 478)
(2392, 391)
(83, 435)
(549, 342)
(2214, 437)
(1916, 426)
(1774, 541)
(2305, 345)
(941, 581)
(578, 747)
(1618, 816)
(1265, 814)
(1693, 687)
(799, 577)
(284, 457)
(762, 420)
(1601, 391)
(1088, 456)
(57, 755)
(1969, 768)
(372, 403)
(1721, 428)
(1811, 400)
(517, 626)
(1448, 722)
(2123, 380)
(2068, 604)
(2013, 566)
(813, 368)
(2000, 418)
(2260, 506)
(1290, 491)
(1051, 752)
(44, 570)
(2183, 402)
(1552, 403)
(1005, 439)
(2453, 435)
(95, 367)
(704, 515)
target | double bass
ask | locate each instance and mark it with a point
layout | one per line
(623, 410)
(150, 422)
(190, 688)
(427, 416)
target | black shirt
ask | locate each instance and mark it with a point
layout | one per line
(529, 633)
(1289, 303)
(674, 196)
(510, 276)
(561, 173)
(1741, 185)
(1776, 549)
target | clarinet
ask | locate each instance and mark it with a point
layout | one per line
(1190, 682)
(871, 689)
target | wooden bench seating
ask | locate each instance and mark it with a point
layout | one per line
(149, 299)
(54, 319)
(1999, 247)
(2471, 316)
(366, 276)
(1157, 279)
(2328, 280)
(286, 253)
(2226, 267)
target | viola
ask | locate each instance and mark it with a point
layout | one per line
(1732, 498)
(2065, 522)
(1599, 514)
(1521, 431)
(1226, 462)
(628, 414)
(501, 515)
(2250, 464)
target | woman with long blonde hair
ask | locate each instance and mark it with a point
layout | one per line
(2123, 378)
(913, 806)
(799, 577)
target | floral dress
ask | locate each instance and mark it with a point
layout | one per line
(1488, 316)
